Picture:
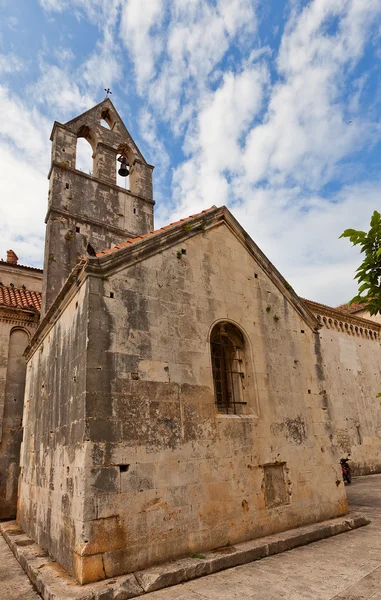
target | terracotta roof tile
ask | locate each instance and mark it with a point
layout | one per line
(353, 308)
(140, 237)
(13, 297)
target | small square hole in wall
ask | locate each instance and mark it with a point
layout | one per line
(124, 468)
(77, 229)
(134, 211)
(309, 391)
(67, 186)
(183, 251)
(111, 294)
(302, 331)
(255, 275)
(135, 376)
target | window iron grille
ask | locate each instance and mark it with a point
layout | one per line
(227, 348)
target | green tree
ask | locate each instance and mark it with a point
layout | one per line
(368, 274)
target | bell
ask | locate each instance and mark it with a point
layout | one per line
(123, 171)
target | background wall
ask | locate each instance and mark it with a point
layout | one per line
(13, 341)
(352, 379)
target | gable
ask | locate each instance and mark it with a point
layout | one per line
(217, 237)
(117, 136)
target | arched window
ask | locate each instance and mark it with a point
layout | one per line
(84, 156)
(107, 119)
(85, 151)
(228, 367)
(105, 124)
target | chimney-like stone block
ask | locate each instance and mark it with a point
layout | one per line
(12, 257)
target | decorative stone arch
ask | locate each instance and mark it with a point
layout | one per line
(108, 117)
(84, 132)
(232, 369)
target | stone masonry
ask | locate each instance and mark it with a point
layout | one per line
(180, 397)
(91, 211)
(20, 294)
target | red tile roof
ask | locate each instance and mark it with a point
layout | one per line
(141, 237)
(13, 297)
(353, 308)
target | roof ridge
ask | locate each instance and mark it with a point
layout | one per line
(153, 232)
(20, 297)
(16, 287)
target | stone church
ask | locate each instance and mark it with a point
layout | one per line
(179, 395)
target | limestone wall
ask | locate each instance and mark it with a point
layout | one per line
(19, 276)
(92, 209)
(16, 327)
(352, 374)
(126, 461)
(53, 455)
(172, 476)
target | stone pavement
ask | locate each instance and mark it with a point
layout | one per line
(14, 584)
(345, 567)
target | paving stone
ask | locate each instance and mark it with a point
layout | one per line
(14, 584)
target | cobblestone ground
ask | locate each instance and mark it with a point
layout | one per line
(14, 584)
(346, 567)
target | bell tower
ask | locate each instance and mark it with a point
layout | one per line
(88, 213)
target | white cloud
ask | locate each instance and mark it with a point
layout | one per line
(68, 89)
(136, 30)
(58, 90)
(10, 63)
(24, 161)
(270, 172)
(172, 68)
(147, 125)
(26, 129)
(96, 10)
(261, 132)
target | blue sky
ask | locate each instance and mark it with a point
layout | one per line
(272, 108)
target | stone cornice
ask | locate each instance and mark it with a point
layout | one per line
(18, 315)
(113, 186)
(81, 219)
(331, 318)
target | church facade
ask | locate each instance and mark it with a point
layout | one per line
(179, 395)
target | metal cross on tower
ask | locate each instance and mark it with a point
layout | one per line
(108, 92)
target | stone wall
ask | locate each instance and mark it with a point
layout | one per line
(90, 213)
(15, 330)
(172, 476)
(52, 505)
(351, 369)
(126, 461)
(20, 275)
